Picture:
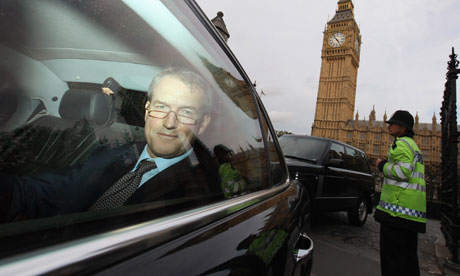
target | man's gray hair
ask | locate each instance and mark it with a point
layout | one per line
(188, 77)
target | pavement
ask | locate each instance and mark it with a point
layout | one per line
(443, 257)
(343, 249)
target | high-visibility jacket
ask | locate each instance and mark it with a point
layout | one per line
(232, 182)
(404, 190)
(268, 244)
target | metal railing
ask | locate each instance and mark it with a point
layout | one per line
(450, 226)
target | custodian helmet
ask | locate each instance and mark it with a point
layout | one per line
(402, 118)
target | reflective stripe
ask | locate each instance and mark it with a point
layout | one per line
(402, 210)
(405, 165)
(405, 185)
(389, 169)
(410, 147)
(399, 173)
(418, 175)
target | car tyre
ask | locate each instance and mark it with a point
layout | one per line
(358, 214)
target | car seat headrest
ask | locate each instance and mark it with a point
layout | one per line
(8, 105)
(93, 106)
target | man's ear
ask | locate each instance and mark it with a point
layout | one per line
(146, 112)
(204, 124)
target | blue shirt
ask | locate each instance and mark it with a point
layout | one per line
(162, 163)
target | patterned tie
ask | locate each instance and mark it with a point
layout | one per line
(119, 192)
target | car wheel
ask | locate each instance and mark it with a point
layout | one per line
(358, 214)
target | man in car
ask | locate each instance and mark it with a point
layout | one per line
(402, 207)
(177, 110)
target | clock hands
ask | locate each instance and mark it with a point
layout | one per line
(336, 39)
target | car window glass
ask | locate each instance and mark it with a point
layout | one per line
(303, 147)
(336, 152)
(352, 160)
(363, 164)
(80, 119)
(277, 171)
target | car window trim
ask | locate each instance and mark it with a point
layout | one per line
(263, 114)
(127, 241)
(348, 170)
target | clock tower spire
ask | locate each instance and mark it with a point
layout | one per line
(335, 101)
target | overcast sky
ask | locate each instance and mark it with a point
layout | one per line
(404, 53)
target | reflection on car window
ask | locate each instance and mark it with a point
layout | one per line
(352, 159)
(303, 147)
(276, 169)
(337, 152)
(90, 135)
(363, 165)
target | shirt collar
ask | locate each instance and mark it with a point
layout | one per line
(162, 163)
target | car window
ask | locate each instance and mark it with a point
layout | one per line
(363, 164)
(118, 91)
(352, 160)
(303, 147)
(277, 171)
(356, 160)
(336, 151)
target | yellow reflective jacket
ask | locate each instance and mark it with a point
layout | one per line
(404, 189)
(232, 182)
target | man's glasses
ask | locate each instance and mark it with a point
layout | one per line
(181, 118)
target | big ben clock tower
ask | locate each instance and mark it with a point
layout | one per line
(335, 102)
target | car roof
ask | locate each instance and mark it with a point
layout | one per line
(324, 139)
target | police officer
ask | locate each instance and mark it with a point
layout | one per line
(401, 211)
(232, 182)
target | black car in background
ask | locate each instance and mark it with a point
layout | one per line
(337, 175)
(55, 122)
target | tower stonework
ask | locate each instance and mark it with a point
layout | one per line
(339, 71)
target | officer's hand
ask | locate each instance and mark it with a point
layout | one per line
(377, 162)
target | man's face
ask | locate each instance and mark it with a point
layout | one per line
(168, 137)
(396, 130)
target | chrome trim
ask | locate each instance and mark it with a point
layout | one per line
(56, 257)
(302, 254)
(347, 170)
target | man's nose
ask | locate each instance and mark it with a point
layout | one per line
(170, 122)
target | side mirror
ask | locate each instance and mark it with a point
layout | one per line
(338, 163)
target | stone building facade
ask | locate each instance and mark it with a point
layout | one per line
(335, 104)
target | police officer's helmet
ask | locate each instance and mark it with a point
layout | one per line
(402, 118)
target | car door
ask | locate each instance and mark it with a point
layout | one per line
(335, 186)
(356, 177)
(84, 119)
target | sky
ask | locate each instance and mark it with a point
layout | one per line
(405, 48)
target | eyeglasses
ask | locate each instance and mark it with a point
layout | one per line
(159, 114)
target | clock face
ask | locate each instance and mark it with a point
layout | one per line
(337, 39)
(357, 45)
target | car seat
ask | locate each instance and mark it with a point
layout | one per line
(51, 142)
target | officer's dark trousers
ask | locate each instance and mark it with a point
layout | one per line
(398, 251)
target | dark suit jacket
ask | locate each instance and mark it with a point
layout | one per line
(75, 189)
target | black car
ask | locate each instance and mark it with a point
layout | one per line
(337, 175)
(90, 92)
